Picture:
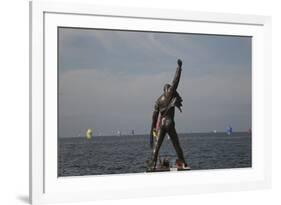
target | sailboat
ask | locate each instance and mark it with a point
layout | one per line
(229, 130)
(89, 134)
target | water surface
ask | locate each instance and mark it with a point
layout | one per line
(128, 154)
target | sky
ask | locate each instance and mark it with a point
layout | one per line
(109, 80)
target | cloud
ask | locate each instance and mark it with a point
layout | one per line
(145, 52)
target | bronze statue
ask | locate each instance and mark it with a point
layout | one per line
(163, 119)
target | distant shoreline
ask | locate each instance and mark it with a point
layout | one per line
(180, 135)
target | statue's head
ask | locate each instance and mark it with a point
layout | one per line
(166, 88)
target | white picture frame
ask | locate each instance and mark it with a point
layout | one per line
(46, 187)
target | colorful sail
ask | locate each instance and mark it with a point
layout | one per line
(89, 134)
(229, 130)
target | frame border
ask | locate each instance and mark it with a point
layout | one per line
(36, 92)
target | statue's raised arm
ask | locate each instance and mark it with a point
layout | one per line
(176, 79)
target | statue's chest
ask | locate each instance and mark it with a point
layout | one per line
(163, 102)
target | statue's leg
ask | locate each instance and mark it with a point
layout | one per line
(175, 140)
(157, 146)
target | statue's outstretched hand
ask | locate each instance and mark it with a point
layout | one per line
(179, 63)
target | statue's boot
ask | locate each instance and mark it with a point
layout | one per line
(151, 165)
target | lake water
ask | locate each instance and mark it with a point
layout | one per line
(128, 154)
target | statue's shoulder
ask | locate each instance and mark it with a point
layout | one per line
(161, 101)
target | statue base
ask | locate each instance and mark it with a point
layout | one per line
(164, 166)
(170, 169)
